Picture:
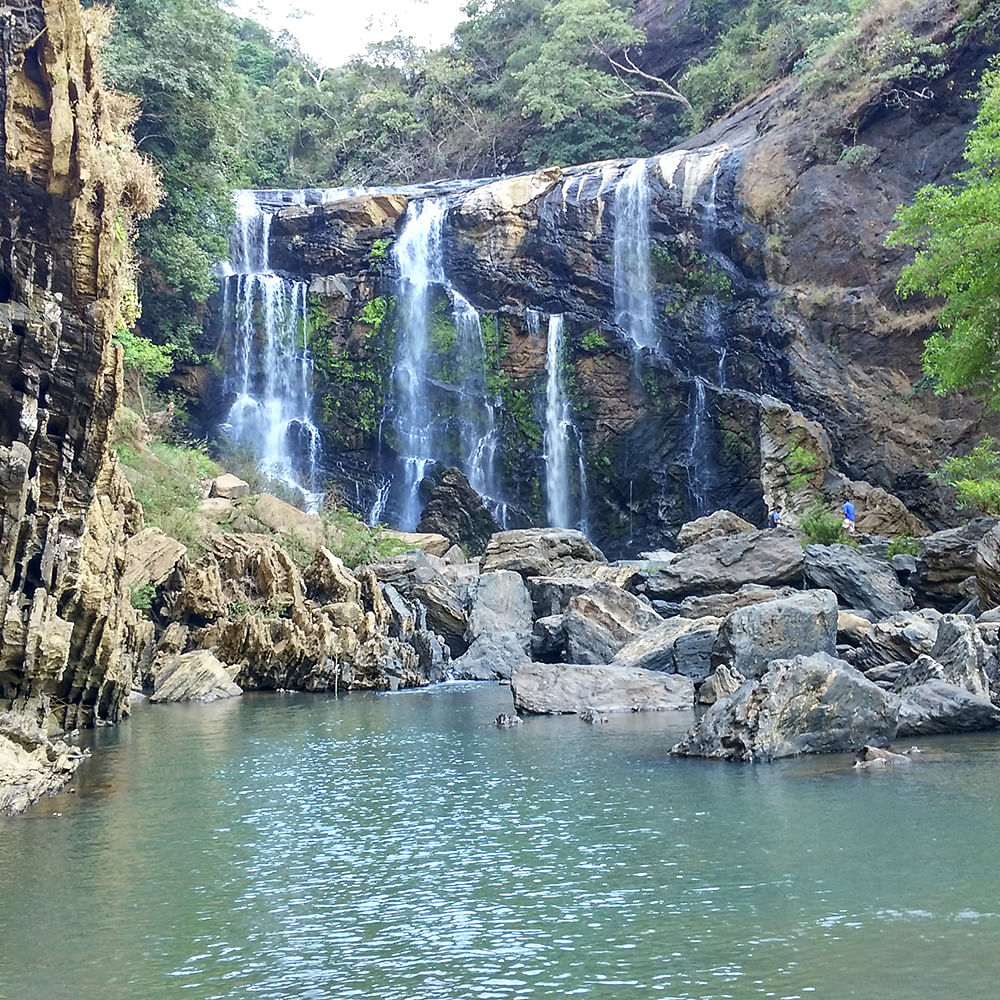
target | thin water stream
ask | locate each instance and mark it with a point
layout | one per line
(400, 847)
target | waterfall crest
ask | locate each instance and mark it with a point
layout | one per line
(632, 277)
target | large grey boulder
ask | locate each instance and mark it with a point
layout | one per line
(554, 688)
(939, 707)
(809, 704)
(499, 603)
(751, 637)
(538, 551)
(195, 676)
(960, 650)
(490, 657)
(947, 560)
(860, 582)
(406, 571)
(728, 563)
(901, 637)
(718, 524)
(602, 620)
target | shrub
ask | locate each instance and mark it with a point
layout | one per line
(822, 527)
(860, 156)
(976, 477)
(142, 596)
(905, 545)
(593, 341)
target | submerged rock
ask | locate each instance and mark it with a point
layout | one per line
(195, 676)
(32, 764)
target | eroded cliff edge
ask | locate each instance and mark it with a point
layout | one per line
(70, 184)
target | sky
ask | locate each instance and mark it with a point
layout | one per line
(332, 31)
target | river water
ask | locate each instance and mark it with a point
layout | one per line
(400, 847)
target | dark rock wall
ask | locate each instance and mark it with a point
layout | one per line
(68, 631)
(790, 264)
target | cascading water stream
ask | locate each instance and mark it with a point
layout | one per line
(419, 259)
(632, 277)
(700, 468)
(271, 377)
(437, 416)
(560, 432)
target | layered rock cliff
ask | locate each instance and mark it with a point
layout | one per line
(781, 365)
(70, 182)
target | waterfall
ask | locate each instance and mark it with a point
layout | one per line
(419, 258)
(558, 427)
(699, 463)
(441, 409)
(633, 281)
(265, 317)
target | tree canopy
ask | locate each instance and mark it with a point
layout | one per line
(956, 232)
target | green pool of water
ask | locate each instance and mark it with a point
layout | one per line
(400, 847)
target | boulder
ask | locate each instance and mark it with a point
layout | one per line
(490, 657)
(229, 487)
(719, 605)
(860, 582)
(548, 639)
(195, 676)
(549, 688)
(987, 565)
(902, 637)
(152, 557)
(726, 564)
(936, 706)
(800, 625)
(876, 757)
(851, 628)
(406, 571)
(431, 544)
(499, 604)
(718, 524)
(960, 651)
(809, 704)
(445, 613)
(455, 510)
(947, 559)
(329, 581)
(265, 511)
(602, 620)
(550, 595)
(721, 684)
(539, 551)
(678, 645)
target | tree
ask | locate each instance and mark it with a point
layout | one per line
(956, 231)
(567, 77)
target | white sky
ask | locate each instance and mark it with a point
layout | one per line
(332, 31)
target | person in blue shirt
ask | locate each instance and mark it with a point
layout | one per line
(775, 518)
(848, 509)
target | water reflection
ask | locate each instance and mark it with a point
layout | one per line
(403, 847)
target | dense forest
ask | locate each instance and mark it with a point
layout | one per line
(523, 83)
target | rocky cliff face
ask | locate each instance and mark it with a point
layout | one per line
(776, 362)
(69, 183)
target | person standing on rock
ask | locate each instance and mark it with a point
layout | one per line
(774, 519)
(848, 509)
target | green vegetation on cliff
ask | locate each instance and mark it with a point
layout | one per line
(956, 230)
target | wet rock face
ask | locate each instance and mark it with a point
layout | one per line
(68, 634)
